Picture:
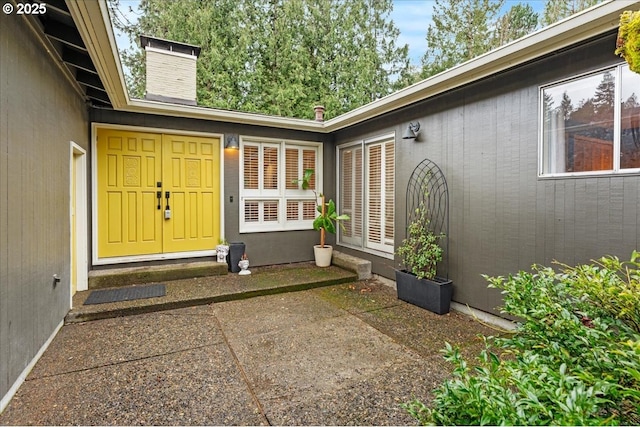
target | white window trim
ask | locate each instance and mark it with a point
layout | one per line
(281, 195)
(383, 251)
(616, 69)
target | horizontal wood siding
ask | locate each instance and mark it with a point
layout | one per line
(39, 115)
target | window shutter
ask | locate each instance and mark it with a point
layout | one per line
(309, 162)
(251, 211)
(389, 191)
(270, 168)
(250, 154)
(358, 196)
(270, 211)
(374, 226)
(291, 168)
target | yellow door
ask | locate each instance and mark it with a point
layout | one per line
(191, 177)
(129, 168)
(132, 168)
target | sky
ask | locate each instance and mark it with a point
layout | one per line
(412, 17)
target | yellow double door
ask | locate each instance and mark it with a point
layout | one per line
(156, 193)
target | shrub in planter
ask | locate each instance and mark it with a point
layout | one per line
(573, 360)
(420, 253)
(628, 42)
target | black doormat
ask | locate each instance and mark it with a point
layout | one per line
(126, 294)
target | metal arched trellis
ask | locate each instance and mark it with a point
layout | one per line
(428, 187)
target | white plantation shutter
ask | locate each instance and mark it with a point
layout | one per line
(251, 169)
(374, 192)
(292, 171)
(271, 199)
(367, 194)
(270, 168)
(351, 194)
(389, 192)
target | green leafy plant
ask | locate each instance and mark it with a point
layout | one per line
(420, 251)
(628, 41)
(574, 358)
(328, 217)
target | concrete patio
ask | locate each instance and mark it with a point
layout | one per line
(345, 354)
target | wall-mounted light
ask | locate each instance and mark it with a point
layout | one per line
(412, 131)
(232, 142)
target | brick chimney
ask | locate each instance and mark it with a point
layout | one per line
(319, 109)
(171, 70)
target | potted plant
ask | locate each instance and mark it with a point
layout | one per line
(244, 265)
(222, 250)
(325, 221)
(628, 41)
(420, 253)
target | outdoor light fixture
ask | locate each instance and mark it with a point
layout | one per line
(412, 131)
(232, 142)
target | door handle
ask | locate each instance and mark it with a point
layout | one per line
(159, 196)
(167, 209)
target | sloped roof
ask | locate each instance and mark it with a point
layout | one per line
(92, 21)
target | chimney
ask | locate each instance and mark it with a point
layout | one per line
(171, 70)
(319, 109)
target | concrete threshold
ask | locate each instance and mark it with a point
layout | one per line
(211, 289)
(117, 277)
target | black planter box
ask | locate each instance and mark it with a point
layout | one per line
(433, 295)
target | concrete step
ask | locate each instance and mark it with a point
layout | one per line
(209, 289)
(116, 277)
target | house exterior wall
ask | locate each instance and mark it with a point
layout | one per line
(503, 218)
(262, 248)
(40, 114)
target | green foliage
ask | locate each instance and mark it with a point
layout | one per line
(420, 251)
(278, 57)
(573, 360)
(464, 29)
(519, 21)
(461, 30)
(628, 42)
(329, 219)
(555, 10)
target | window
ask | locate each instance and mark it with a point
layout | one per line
(270, 201)
(366, 193)
(591, 124)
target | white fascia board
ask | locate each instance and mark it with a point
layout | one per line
(227, 116)
(93, 24)
(589, 23)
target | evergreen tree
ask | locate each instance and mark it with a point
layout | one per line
(461, 30)
(519, 21)
(278, 57)
(555, 10)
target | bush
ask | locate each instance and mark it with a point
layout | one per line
(574, 358)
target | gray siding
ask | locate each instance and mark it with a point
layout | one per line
(262, 248)
(39, 115)
(503, 218)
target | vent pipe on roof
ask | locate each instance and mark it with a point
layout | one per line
(319, 109)
(171, 70)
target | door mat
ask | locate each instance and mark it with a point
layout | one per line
(126, 294)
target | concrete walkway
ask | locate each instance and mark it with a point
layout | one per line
(346, 354)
